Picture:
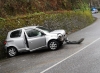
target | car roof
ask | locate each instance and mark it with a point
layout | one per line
(24, 28)
(29, 27)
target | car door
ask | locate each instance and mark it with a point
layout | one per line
(36, 39)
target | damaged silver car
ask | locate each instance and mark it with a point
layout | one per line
(32, 38)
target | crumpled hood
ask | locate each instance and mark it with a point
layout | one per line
(58, 31)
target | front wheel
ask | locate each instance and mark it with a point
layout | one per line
(53, 45)
(12, 52)
(60, 44)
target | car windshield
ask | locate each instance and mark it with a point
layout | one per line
(45, 29)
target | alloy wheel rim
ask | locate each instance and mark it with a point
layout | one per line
(12, 52)
(53, 45)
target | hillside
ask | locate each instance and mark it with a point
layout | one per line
(16, 7)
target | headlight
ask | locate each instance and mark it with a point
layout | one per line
(60, 36)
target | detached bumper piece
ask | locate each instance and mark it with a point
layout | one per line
(75, 42)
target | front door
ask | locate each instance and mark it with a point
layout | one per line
(36, 39)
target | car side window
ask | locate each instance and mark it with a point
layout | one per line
(33, 33)
(16, 34)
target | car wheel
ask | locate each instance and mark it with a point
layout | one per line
(53, 45)
(12, 52)
(60, 44)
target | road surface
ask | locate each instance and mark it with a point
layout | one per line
(71, 58)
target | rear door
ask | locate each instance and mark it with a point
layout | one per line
(36, 39)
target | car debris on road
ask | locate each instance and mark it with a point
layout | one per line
(75, 42)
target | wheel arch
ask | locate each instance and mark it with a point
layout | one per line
(13, 47)
(53, 40)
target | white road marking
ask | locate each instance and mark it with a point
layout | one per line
(0, 66)
(69, 56)
(23, 60)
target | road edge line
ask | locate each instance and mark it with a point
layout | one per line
(69, 56)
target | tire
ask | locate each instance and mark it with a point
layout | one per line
(60, 44)
(12, 52)
(53, 45)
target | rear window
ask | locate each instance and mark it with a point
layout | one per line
(16, 34)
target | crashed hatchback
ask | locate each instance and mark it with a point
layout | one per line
(32, 38)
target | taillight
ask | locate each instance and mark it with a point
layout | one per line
(5, 42)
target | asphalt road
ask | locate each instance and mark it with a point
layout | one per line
(71, 58)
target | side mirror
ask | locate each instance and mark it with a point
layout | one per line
(43, 34)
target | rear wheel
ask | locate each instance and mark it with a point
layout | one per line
(53, 45)
(12, 52)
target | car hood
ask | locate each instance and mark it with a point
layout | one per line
(58, 31)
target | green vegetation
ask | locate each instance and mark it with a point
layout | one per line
(22, 7)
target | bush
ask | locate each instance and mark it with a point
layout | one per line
(18, 7)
